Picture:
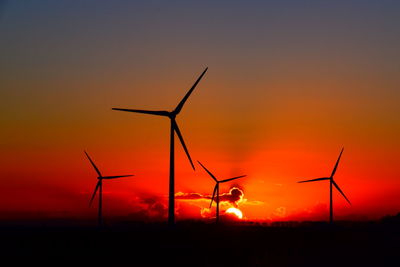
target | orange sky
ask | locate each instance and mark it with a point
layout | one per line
(277, 103)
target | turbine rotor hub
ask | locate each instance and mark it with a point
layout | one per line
(172, 115)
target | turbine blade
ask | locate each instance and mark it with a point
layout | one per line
(234, 178)
(213, 195)
(94, 165)
(151, 112)
(119, 176)
(313, 180)
(212, 176)
(341, 192)
(180, 105)
(94, 193)
(178, 132)
(337, 163)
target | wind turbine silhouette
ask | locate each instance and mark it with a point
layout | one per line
(216, 188)
(99, 186)
(331, 182)
(174, 129)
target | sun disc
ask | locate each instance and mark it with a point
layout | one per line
(235, 212)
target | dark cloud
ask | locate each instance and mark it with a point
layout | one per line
(181, 195)
(149, 209)
(234, 196)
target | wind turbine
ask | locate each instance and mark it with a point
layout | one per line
(216, 187)
(174, 129)
(99, 186)
(331, 182)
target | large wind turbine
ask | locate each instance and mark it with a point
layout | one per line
(99, 186)
(216, 187)
(331, 182)
(174, 129)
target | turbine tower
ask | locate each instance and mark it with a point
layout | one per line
(216, 188)
(99, 186)
(174, 129)
(331, 182)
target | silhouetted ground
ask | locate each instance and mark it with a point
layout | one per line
(202, 244)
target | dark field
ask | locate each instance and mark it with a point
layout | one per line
(201, 244)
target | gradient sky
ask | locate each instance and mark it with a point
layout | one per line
(289, 83)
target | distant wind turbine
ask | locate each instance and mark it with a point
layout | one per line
(331, 182)
(174, 129)
(99, 186)
(216, 187)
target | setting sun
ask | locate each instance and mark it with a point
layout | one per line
(238, 213)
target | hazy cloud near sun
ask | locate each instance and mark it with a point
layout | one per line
(235, 196)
